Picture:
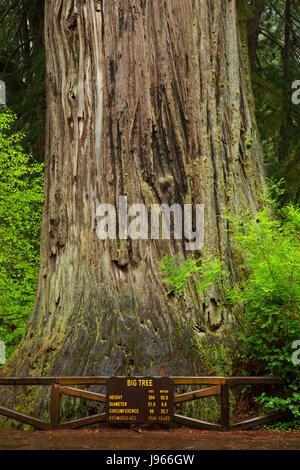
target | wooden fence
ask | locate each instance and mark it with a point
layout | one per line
(63, 386)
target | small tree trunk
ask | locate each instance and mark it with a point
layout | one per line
(287, 85)
(253, 31)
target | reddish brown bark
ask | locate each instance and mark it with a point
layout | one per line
(149, 99)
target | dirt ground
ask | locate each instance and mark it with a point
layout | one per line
(145, 439)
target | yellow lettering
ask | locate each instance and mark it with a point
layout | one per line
(131, 383)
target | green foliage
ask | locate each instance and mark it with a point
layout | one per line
(208, 271)
(271, 291)
(268, 295)
(21, 200)
(291, 425)
(278, 403)
(277, 67)
(217, 357)
(22, 67)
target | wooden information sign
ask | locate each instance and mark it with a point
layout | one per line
(139, 400)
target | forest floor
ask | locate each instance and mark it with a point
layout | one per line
(108, 438)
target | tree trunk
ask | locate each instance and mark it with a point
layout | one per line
(287, 85)
(149, 99)
(253, 31)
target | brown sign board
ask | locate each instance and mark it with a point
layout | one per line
(139, 400)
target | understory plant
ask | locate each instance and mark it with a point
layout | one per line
(267, 297)
(21, 201)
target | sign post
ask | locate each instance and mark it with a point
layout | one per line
(139, 400)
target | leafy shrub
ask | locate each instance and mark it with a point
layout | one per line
(267, 296)
(270, 294)
(21, 200)
(177, 274)
(279, 403)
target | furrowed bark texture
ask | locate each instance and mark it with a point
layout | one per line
(149, 99)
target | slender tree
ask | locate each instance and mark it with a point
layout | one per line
(253, 30)
(287, 81)
(153, 100)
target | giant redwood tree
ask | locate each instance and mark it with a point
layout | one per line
(150, 99)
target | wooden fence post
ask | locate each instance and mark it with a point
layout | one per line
(225, 408)
(55, 406)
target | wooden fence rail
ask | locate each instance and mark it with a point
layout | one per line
(219, 386)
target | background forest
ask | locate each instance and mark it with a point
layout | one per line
(274, 50)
